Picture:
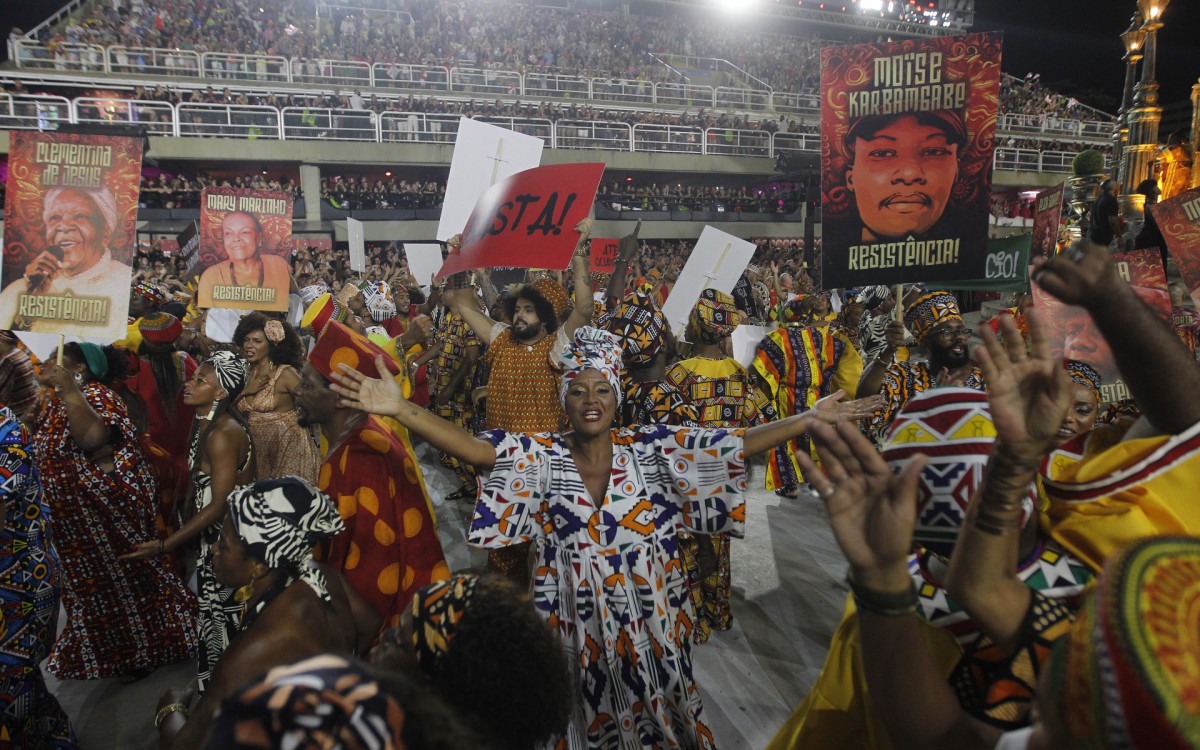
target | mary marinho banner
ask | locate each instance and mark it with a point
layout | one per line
(245, 243)
(70, 222)
(907, 134)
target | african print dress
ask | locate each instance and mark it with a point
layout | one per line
(903, 381)
(454, 338)
(30, 717)
(723, 395)
(219, 614)
(122, 615)
(284, 447)
(609, 578)
(390, 546)
(799, 365)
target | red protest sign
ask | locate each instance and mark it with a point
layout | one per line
(603, 255)
(527, 220)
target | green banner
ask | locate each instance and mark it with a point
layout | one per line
(1007, 267)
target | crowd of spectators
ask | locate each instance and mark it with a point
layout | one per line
(1028, 97)
(471, 33)
(772, 199)
(385, 192)
(166, 190)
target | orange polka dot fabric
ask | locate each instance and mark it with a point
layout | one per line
(390, 547)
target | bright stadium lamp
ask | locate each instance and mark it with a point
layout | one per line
(735, 6)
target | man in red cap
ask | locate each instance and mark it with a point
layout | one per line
(390, 547)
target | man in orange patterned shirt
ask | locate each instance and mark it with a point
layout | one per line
(390, 546)
(523, 386)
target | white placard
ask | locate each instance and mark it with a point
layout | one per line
(358, 248)
(745, 342)
(483, 155)
(716, 262)
(424, 260)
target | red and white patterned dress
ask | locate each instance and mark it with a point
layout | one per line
(122, 615)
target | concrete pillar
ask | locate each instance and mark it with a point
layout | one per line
(310, 187)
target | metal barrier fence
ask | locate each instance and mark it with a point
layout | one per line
(187, 120)
(228, 67)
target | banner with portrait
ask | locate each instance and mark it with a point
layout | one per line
(907, 134)
(245, 246)
(1047, 220)
(1074, 334)
(70, 226)
(1179, 221)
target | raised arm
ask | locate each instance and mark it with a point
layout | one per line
(385, 398)
(1161, 374)
(620, 275)
(831, 409)
(87, 428)
(462, 301)
(581, 310)
(872, 513)
(1029, 396)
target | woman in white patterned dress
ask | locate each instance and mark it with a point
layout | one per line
(604, 507)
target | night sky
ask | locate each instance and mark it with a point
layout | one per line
(1069, 42)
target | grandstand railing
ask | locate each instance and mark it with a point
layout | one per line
(306, 123)
(33, 112)
(229, 121)
(153, 61)
(157, 117)
(191, 120)
(593, 134)
(220, 66)
(417, 127)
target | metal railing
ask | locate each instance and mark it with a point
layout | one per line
(157, 117)
(417, 127)
(189, 120)
(229, 121)
(593, 134)
(235, 69)
(306, 123)
(33, 111)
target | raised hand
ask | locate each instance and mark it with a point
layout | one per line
(144, 551)
(1084, 274)
(1029, 393)
(377, 396)
(832, 409)
(871, 510)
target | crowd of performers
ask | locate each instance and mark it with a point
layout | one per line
(257, 506)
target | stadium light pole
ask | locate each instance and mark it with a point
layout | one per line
(1145, 114)
(1132, 40)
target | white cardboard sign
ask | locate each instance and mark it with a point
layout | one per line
(358, 248)
(717, 261)
(745, 342)
(424, 260)
(483, 155)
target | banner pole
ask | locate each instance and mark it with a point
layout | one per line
(61, 340)
(898, 291)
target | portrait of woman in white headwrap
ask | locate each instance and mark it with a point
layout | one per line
(79, 227)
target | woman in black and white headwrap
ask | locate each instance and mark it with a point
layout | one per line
(872, 326)
(292, 606)
(220, 456)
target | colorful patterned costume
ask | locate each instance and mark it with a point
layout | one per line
(953, 426)
(389, 547)
(608, 575)
(282, 446)
(219, 614)
(30, 717)
(454, 338)
(799, 365)
(902, 381)
(522, 397)
(724, 396)
(657, 402)
(323, 701)
(122, 616)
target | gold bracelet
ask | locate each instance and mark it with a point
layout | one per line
(166, 711)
